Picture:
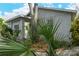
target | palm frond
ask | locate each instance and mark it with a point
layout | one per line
(13, 48)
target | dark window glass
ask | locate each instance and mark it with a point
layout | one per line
(16, 27)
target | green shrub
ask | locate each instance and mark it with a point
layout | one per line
(47, 30)
(1, 23)
(7, 32)
(10, 46)
(75, 31)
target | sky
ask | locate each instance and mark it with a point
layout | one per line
(9, 10)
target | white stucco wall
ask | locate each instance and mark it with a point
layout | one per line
(65, 18)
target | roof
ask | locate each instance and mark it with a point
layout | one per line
(43, 8)
(18, 16)
(57, 9)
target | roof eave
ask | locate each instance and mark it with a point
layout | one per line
(56, 9)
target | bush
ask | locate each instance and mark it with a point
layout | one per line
(7, 32)
(75, 31)
(1, 23)
(10, 46)
(47, 30)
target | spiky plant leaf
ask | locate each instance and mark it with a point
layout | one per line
(10, 47)
(48, 30)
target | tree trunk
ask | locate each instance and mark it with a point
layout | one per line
(33, 22)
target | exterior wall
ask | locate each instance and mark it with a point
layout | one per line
(26, 28)
(65, 19)
(19, 22)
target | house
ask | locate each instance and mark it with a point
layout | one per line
(65, 16)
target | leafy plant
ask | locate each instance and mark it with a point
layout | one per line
(7, 32)
(1, 23)
(9, 47)
(75, 31)
(47, 29)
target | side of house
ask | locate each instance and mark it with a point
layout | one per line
(64, 16)
(17, 24)
(20, 23)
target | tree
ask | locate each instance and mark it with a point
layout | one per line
(75, 30)
(33, 22)
(1, 23)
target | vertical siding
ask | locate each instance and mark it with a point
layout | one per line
(63, 30)
(65, 19)
(20, 27)
(20, 23)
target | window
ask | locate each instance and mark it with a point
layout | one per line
(16, 27)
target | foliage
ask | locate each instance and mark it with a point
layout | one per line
(7, 32)
(9, 47)
(75, 31)
(1, 23)
(47, 30)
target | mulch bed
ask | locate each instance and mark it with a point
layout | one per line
(40, 46)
